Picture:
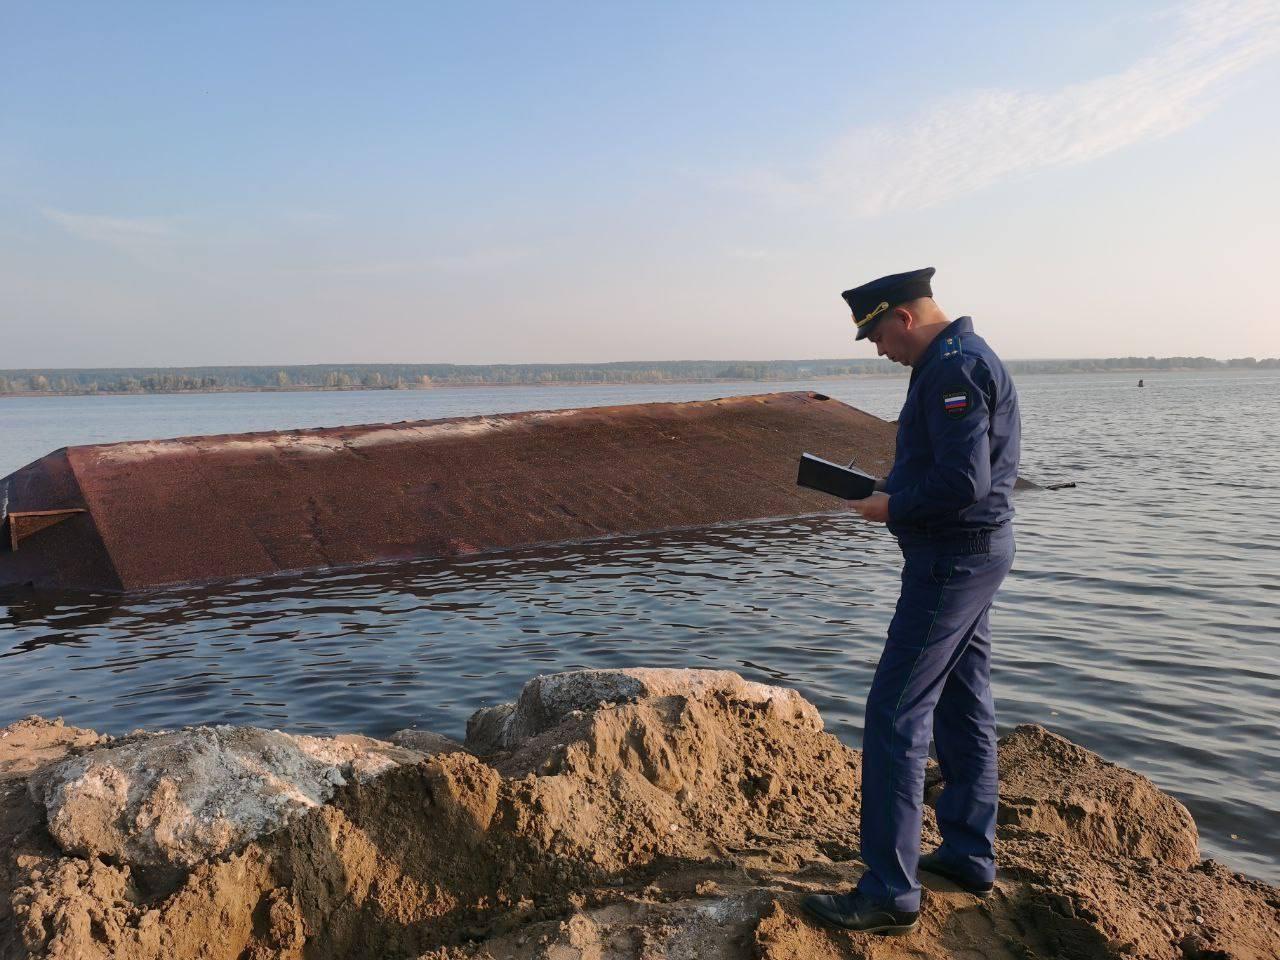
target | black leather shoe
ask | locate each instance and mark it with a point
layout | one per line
(853, 912)
(932, 863)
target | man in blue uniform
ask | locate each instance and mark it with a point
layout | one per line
(947, 501)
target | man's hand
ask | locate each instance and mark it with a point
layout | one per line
(874, 508)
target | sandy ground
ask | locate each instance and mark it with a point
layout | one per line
(673, 826)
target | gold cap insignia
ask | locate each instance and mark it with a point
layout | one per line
(872, 315)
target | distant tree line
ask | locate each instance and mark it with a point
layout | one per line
(408, 376)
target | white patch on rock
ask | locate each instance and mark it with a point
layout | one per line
(175, 798)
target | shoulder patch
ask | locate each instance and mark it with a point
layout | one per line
(956, 402)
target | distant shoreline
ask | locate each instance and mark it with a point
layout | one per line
(435, 387)
(1145, 372)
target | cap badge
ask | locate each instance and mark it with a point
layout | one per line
(873, 314)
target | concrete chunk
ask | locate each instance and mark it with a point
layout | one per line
(173, 799)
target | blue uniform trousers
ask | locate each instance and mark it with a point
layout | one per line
(935, 672)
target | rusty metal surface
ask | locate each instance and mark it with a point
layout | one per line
(214, 507)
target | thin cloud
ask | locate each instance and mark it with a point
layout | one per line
(476, 261)
(752, 253)
(307, 217)
(981, 137)
(123, 232)
(466, 263)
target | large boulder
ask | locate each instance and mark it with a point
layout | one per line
(1052, 786)
(547, 700)
(172, 799)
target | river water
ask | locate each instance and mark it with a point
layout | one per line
(1142, 617)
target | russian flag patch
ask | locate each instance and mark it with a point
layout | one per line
(955, 402)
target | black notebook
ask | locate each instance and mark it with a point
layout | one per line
(832, 478)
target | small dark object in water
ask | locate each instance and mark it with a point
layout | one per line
(1140, 383)
(1069, 485)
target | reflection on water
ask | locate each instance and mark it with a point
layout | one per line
(733, 595)
(1140, 619)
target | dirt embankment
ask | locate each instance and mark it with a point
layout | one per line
(614, 815)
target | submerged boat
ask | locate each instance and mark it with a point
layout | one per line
(139, 514)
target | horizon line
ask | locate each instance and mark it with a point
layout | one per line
(590, 363)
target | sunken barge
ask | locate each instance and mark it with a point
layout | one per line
(140, 514)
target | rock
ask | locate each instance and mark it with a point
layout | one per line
(546, 700)
(173, 799)
(1051, 785)
(425, 742)
(487, 728)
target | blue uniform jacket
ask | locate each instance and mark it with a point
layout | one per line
(959, 437)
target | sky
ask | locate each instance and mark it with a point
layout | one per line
(312, 182)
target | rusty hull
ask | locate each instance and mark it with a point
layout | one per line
(126, 516)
